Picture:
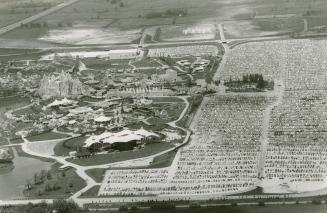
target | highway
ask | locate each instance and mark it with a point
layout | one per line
(37, 16)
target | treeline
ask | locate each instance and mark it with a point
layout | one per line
(168, 13)
(256, 79)
(120, 2)
(45, 182)
(58, 206)
(46, 25)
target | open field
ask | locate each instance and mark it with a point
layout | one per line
(187, 32)
(100, 22)
(15, 10)
(262, 27)
(103, 22)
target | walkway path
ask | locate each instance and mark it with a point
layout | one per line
(279, 91)
(222, 63)
(188, 74)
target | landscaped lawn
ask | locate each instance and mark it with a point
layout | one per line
(96, 174)
(91, 193)
(173, 111)
(147, 62)
(47, 136)
(149, 150)
(160, 161)
(166, 99)
(63, 148)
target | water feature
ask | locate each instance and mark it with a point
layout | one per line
(14, 176)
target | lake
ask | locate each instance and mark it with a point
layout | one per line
(13, 178)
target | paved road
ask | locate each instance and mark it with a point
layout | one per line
(222, 63)
(221, 33)
(37, 16)
(305, 28)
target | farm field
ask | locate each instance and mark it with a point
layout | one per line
(15, 10)
(100, 22)
(262, 27)
(187, 32)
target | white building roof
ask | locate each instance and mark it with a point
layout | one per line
(63, 102)
(79, 110)
(102, 118)
(119, 137)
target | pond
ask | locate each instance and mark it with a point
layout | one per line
(13, 177)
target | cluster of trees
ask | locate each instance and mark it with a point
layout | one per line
(211, 69)
(121, 4)
(59, 206)
(168, 13)
(255, 79)
(46, 25)
(46, 177)
(163, 205)
(26, 10)
(38, 178)
(252, 79)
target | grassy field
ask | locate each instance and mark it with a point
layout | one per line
(173, 110)
(15, 10)
(165, 99)
(47, 136)
(120, 19)
(91, 193)
(160, 161)
(96, 174)
(63, 148)
(146, 62)
(12, 51)
(149, 149)
(316, 22)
